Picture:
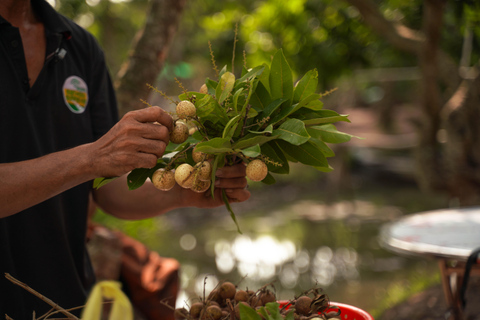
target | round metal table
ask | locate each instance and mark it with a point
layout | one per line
(447, 235)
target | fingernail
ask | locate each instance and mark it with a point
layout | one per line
(219, 172)
(228, 190)
(217, 183)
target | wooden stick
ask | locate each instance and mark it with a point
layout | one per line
(40, 296)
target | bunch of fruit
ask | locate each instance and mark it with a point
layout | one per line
(227, 302)
(261, 118)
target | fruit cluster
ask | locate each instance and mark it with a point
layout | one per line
(227, 302)
(198, 177)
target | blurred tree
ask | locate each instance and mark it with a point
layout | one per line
(447, 153)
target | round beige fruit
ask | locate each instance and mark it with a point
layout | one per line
(204, 89)
(201, 185)
(203, 171)
(199, 156)
(179, 133)
(257, 170)
(163, 179)
(185, 109)
(185, 175)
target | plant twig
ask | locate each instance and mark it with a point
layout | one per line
(234, 45)
(213, 58)
(40, 296)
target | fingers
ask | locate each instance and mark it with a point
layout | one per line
(237, 170)
(152, 114)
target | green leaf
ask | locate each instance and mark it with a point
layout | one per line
(235, 98)
(275, 154)
(229, 208)
(215, 146)
(324, 169)
(293, 131)
(231, 127)
(267, 112)
(99, 182)
(209, 109)
(260, 97)
(274, 310)
(252, 73)
(268, 129)
(322, 146)
(306, 153)
(306, 86)
(248, 313)
(251, 140)
(281, 81)
(329, 133)
(323, 117)
(287, 110)
(252, 152)
(315, 105)
(269, 179)
(137, 177)
(225, 86)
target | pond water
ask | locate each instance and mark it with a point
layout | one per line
(295, 239)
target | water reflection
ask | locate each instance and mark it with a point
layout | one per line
(265, 258)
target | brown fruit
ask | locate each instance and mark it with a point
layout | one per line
(227, 290)
(196, 309)
(267, 296)
(257, 170)
(302, 305)
(213, 313)
(185, 109)
(179, 133)
(241, 295)
(184, 175)
(163, 180)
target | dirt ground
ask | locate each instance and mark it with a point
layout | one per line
(430, 305)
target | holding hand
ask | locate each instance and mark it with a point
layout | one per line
(136, 141)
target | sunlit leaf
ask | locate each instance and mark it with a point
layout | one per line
(281, 81)
(306, 86)
(253, 151)
(215, 145)
(329, 133)
(225, 86)
(293, 131)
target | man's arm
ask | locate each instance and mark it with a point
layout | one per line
(134, 142)
(147, 201)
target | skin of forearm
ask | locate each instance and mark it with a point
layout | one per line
(26, 183)
(145, 202)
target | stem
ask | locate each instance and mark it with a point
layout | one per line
(40, 296)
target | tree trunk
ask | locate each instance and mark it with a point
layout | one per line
(148, 54)
(429, 153)
(448, 157)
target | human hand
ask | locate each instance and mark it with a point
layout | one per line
(136, 141)
(232, 179)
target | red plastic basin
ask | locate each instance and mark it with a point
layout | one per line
(347, 311)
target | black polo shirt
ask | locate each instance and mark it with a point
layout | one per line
(71, 103)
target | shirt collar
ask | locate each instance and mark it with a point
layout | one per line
(51, 18)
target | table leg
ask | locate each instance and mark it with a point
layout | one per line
(451, 293)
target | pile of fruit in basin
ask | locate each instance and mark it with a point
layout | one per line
(227, 302)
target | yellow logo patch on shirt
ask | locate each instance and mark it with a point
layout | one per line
(75, 94)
